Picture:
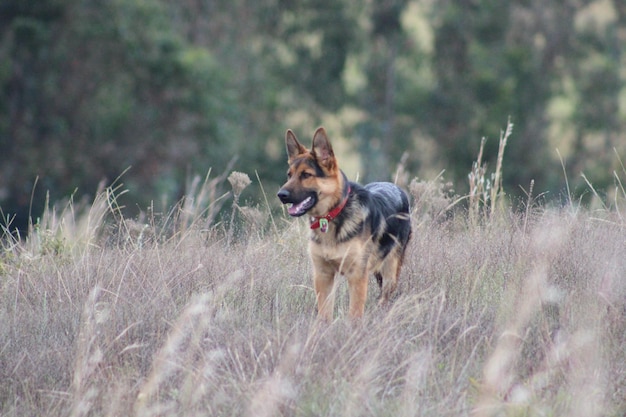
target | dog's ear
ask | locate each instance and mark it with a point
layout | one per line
(294, 148)
(322, 150)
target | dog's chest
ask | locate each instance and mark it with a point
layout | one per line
(326, 248)
(331, 252)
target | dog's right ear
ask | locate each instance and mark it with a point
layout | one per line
(294, 148)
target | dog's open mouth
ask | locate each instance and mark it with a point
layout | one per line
(302, 207)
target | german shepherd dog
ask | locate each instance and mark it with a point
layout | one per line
(355, 229)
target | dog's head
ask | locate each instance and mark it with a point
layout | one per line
(314, 183)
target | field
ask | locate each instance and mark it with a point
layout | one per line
(500, 313)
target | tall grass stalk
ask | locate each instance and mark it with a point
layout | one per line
(521, 315)
(497, 180)
(478, 185)
(238, 182)
(486, 193)
(567, 187)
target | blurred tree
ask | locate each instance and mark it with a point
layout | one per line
(488, 67)
(381, 143)
(594, 76)
(175, 88)
(494, 59)
(26, 30)
(284, 57)
(93, 88)
(310, 43)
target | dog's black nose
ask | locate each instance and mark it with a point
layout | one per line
(283, 195)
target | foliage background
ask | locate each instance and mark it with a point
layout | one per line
(175, 89)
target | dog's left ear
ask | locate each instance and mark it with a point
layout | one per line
(322, 150)
(293, 146)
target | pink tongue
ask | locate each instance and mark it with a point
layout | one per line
(297, 208)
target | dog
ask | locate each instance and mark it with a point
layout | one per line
(355, 229)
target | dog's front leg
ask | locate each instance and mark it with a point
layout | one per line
(357, 288)
(323, 281)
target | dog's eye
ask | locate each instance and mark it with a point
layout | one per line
(304, 175)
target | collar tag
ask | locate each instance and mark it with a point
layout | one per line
(322, 222)
(323, 225)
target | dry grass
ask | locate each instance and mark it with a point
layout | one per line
(521, 315)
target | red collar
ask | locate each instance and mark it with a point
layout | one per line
(322, 222)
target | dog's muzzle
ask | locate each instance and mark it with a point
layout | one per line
(297, 206)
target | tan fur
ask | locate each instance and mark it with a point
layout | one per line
(354, 258)
(345, 259)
